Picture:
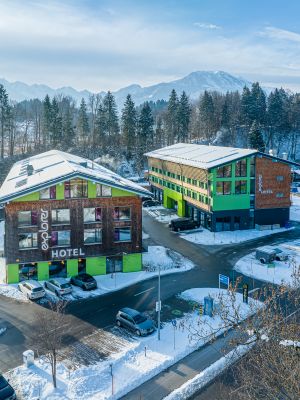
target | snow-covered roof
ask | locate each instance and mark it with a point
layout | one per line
(200, 156)
(46, 169)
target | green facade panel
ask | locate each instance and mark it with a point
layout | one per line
(121, 193)
(170, 196)
(132, 262)
(96, 265)
(92, 190)
(12, 273)
(29, 197)
(72, 267)
(60, 191)
(231, 202)
(43, 271)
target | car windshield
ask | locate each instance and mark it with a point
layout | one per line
(3, 383)
(65, 285)
(139, 318)
(37, 289)
(86, 278)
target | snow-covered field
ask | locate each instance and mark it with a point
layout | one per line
(295, 208)
(169, 261)
(214, 238)
(131, 367)
(284, 271)
(161, 214)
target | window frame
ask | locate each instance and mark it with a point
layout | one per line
(32, 240)
(92, 243)
(31, 223)
(120, 228)
(118, 212)
(95, 221)
(55, 222)
(60, 245)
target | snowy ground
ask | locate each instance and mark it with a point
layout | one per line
(169, 261)
(283, 272)
(295, 208)
(161, 214)
(131, 367)
(204, 236)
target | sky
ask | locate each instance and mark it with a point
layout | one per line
(105, 45)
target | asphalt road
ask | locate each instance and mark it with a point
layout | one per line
(86, 315)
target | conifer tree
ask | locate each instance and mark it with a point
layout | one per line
(207, 115)
(56, 124)
(46, 121)
(183, 117)
(172, 118)
(4, 111)
(145, 131)
(111, 119)
(100, 128)
(68, 127)
(129, 125)
(246, 107)
(83, 122)
(258, 105)
(255, 138)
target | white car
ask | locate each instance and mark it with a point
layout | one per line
(32, 289)
(59, 286)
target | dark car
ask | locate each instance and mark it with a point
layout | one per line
(182, 224)
(135, 321)
(151, 203)
(85, 281)
(6, 391)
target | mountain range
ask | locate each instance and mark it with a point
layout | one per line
(193, 84)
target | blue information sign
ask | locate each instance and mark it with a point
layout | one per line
(174, 323)
(224, 279)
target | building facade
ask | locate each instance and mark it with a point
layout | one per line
(65, 215)
(222, 188)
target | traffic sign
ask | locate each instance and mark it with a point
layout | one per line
(158, 306)
(223, 279)
(174, 322)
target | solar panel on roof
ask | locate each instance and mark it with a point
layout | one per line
(21, 183)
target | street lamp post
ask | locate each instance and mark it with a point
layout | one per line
(159, 304)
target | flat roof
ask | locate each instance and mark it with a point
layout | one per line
(54, 166)
(200, 156)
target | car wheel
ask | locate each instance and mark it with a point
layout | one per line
(138, 332)
(119, 323)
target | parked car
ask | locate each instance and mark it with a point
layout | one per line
(265, 254)
(135, 321)
(182, 224)
(281, 255)
(6, 390)
(85, 281)
(32, 289)
(59, 286)
(151, 203)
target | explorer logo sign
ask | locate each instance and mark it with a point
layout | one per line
(44, 230)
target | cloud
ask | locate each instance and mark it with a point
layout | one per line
(281, 34)
(203, 25)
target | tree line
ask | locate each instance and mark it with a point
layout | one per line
(96, 127)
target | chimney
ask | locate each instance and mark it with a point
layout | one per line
(30, 169)
(284, 155)
(271, 152)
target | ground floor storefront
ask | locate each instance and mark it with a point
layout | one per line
(43, 270)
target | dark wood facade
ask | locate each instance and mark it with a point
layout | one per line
(108, 224)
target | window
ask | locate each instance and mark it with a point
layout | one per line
(28, 240)
(27, 218)
(103, 190)
(224, 172)
(27, 271)
(60, 216)
(122, 213)
(92, 236)
(188, 180)
(76, 188)
(61, 238)
(122, 234)
(179, 177)
(194, 182)
(240, 187)
(92, 214)
(252, 166)
(252, 186)
(48, 193)
(241, 168)
(279, 195)
(189, 193)
(194, 195)
(279, 178)
(223, 188)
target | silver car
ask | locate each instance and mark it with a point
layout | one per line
(59, 286)
(135, 321)
(32, 289)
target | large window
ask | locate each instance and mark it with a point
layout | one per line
(28, 271)
(122, 213)
(92, 236)
(60, 238)
(241, 168)
(103, 190)
(224, 172)
(27, 218)
(252, 166)
(223, 188)
(60, 216)
(48, 193)
(240, 187)
(122, 234)
(92, 214)
(76, 188)
(28, 240)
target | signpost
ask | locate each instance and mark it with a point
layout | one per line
(224, 279)
(174, 323)
(245, 293)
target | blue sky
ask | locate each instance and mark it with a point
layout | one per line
(101, 44)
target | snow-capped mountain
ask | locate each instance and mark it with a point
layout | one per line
(193, 84)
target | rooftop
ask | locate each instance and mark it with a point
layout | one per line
(52, 167)
(200, 156)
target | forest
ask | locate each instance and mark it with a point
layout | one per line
(96, 128)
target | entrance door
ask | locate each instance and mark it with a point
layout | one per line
(114, 264)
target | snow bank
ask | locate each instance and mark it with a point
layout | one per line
(295, 208)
